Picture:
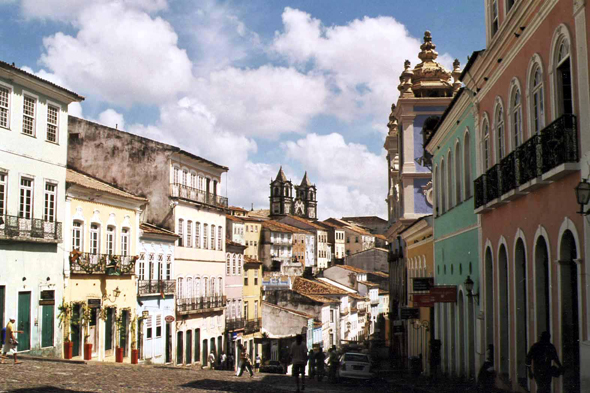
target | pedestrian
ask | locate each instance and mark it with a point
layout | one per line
(223, 361)
(487, 375)
(212, 360)
(299, 360)
(244, 362)
(320, 362)
(231, 362)
(435, 358)
(333, 364)
(311, 358)
(10, 342)
(542, 355)
(284, 359)
(257, 363)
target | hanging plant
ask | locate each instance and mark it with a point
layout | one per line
(64, 316)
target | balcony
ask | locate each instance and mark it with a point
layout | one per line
(198, 305)
(252, 325)
(29, 230)
(234, 324)
(374, 301)
(178, 190)
(156, 287)
(112, 265)
(541, 159)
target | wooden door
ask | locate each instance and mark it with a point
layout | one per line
(75, 330)
(108, 331)
(24, 321)
(47, 324)
(2, 305)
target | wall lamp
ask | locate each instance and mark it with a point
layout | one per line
(583, 196)
(469, 287)
(116, 293)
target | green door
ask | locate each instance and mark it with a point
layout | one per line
(75, 330)
(47, 325)
(108, 333)
(2, 305)
(24, 321)
(123, 331)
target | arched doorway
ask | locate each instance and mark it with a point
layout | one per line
(471, 338)
(489, 299)
(521, 300)
(453, 347)
(461, 312)
(570, 328)
(542, 286)
(445, 338)
(503, 308)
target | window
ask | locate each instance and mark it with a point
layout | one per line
(193, 180)
(246, 279)
(458, 174)
(151, 275)
(356, 239)
(486, 146)
(158, 326)
(205, 238)
(227, 265)
(110, 240)
(4, 107)
(537, 102)
(442, 188)
(29, 107)
(52, 123)
(499, 121)
(516, 118)
(179, 289)
(142, 266)
(246, 310)
(212, 286)
(50, 201)
(239, 264)
(255, 277)
(219, 238)
(77, 236)
(255, 309)
(125, 242)
(26, 198)
(564, 79)
(168, 266)
(494, 15)
(198, 235)
(175, 175)
(509, 4)
(213, 237)
(449, 183)
(148, 330)
(181, 232)
(185, 177)
(467, 164)
(189, 233)
(3, 187)
(94, 239)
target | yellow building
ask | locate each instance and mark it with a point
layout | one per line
(252, 298)
(252, 236)
(100, 294)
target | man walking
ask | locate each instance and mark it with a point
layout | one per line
(542, 354)
(244, 362)
(10, 341)
(299, 360)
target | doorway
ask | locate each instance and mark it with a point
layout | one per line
(503, 306)
(179, 347)
(47, 324)
(24, 321)
(542, 286)
(124, 332)
(189, 346)
(461, 309)
(93, 330)
(521, 314)
(75, 329)
(168, 342)
(108, 332)
(197, 345)
(205, 353)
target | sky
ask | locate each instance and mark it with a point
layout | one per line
(252, 85)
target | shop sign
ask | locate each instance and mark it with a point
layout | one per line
(423, 300)
(47, 298)
(422, 283)
(169, 318)
(444, 294)
(410, 313)
(94, 303)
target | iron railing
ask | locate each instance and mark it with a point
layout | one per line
(200, 304)
(114, 265)
(234, 323)
(146, 287)
(30, 229)
(252, 325)
(178, 190)
(555, 145)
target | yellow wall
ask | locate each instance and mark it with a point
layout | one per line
(252, 292)
(249, 235)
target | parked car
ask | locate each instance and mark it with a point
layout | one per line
(355, 365)
(272, 366)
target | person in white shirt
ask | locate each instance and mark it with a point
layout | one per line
(299, 360)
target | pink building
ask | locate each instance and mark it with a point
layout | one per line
(234, 285)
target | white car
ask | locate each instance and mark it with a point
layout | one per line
(355, 365)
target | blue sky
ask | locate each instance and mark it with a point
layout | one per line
(252, 85)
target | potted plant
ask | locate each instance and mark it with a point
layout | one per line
(65, 312)
(85, 315)
(134, 350)
(120, 329)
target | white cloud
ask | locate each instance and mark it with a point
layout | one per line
(111, 118)
(120, 55)
(350, 179)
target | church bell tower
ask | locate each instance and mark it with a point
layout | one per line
(305, 199)
(281, 198)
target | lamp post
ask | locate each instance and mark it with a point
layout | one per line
(583, 196)
(469, 288)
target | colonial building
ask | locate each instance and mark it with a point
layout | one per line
(253, 236)
(323, 253)
(234, 227)
(282, 201)
(336, 236)
(102, 224)
(252, 306)
(234, 290)
(277, 248)
(33, 153)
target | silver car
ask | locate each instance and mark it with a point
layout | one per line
(355, 365)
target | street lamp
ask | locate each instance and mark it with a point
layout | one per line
(583, 196)
(469, 287)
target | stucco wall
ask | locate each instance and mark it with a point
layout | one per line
(370, 260)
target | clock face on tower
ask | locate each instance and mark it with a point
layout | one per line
(299, 208)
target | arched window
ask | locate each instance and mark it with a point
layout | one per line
(227, 265)
(494, 17)
(458, 174)
(189, 287)
(197, 287)
(537, 99)
(443, 188)
(563, 74)
(180, 232)
(500, 137)
(213, 237)
(189, 233)
(197, 234)
(185, 177)
(205, 286)
(180, 293)
(467, 164)
(77, 239)
(449, 186)
(435, 190)
(485, 145)
(516, 117)
(213, 291)
(175, 177)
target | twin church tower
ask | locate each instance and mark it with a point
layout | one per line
(283, 202)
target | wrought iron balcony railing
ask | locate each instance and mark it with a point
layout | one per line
(252, 325)
(113, 265)
(147, 287)
(178, 190)
(557, 144)
(30, 229)
(200, 304)
(234, 323)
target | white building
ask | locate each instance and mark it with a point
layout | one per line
(33, 156)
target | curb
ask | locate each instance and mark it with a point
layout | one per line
(56, 360)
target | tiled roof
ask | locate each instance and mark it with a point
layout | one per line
(10, 67)
(366, 219)
(232, 243)
(233, 218)
(310, 287)
(319, 298)
(276, 226)
(237, 208)
(150, 228)
(383, 292)
(380, 274)
(83, 180)
(379, 236)
(369, 284)
(352, 269)
(260, 213)
(288, 310)
(306, 221)
(357, 229)
(248, 259)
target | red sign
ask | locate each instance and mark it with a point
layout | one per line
(444, 294)
(169, 318)
(423, 300)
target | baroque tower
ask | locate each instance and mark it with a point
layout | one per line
(305, 199)
(281, 198)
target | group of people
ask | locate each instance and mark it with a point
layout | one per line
(299, 357)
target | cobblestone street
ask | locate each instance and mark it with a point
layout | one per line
(44, 376)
